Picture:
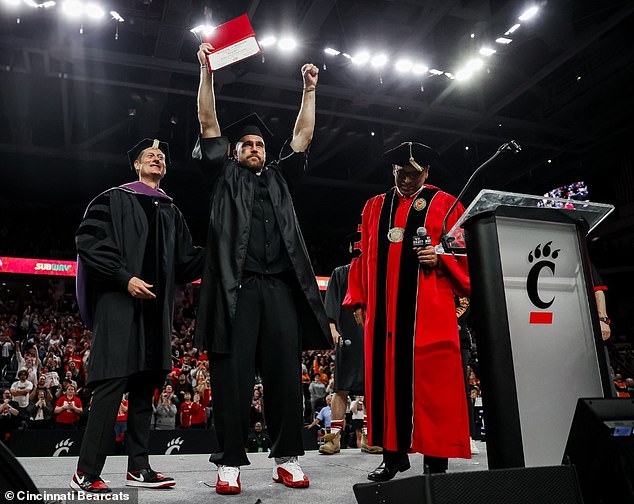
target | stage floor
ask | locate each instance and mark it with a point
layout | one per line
(331, 476)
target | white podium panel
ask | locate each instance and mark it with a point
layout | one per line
(551, 335)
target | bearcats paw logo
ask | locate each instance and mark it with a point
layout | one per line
(63, 447)
(174, 446)
(541, 256)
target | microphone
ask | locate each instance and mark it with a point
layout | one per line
(511, 146)
(343, 342)
(422, 239)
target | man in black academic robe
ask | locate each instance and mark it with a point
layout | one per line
(133, 248)
(259, 301)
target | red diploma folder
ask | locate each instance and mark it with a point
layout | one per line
(232, 41)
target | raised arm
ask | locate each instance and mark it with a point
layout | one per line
(305, 124)
(209, 127)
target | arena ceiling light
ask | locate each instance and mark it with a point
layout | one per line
(361, 58)
(199, 31)
(420, 69)
(529, 13)
(403, 65)
(287, 44)
(379, 61)
(512, 29)
(93, 11)
(332, 52)
(12, 3)
(72, 8)
(117, 17)
(487, 51)
(503, 40)
(268, 41)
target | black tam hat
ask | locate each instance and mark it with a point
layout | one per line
(134, 152)
(249, 125)
(413, 153)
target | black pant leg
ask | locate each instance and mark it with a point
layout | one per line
(137, 438)
(233, 377)
(436, 464)
(99, 433)
(280, 367)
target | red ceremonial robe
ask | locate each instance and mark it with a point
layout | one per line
(415, 394)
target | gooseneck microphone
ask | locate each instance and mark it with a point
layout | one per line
(511, 146)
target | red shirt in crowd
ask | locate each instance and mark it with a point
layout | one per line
(67, 416)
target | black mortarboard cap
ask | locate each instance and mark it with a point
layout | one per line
(249, 125)
(416, 154)
(134, 152)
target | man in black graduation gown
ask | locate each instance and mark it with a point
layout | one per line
(133, 248)
(259, 301)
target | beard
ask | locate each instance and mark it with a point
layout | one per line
(253, 163)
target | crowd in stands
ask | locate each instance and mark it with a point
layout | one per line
(44, 349)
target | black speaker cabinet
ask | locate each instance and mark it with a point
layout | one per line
(12, 475)
(601, 447)
(531, 485)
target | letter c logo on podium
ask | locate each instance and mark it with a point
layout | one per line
(540, 258)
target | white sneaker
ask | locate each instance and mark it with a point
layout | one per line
(474, 448)
(288, 471)
(228, 480)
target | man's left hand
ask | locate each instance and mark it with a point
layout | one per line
(310, 74)
(427, 256)
(605, 330)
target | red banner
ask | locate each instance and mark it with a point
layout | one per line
(69, 268)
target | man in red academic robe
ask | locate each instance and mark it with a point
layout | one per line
(404, 295)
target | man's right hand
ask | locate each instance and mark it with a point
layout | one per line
(139, 289)
(203, 50)
(359, 315)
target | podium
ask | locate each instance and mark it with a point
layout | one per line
(537, 329)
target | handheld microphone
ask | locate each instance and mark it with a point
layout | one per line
(343, 342)
(422, 239)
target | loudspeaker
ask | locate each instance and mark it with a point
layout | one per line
(13, 476)
(531, 485)
(601, 447)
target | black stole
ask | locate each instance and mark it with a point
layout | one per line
(406, 320)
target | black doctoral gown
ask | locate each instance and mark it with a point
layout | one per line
(112, 241)
(231, 204)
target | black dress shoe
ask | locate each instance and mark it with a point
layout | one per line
(387, 470)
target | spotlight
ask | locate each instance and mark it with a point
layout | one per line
(72, 8)
(468, 70)
(487, 51)
(331, 52)
(174, 120)
(420, 69)
(131, 112)
(379, 61)
(529, 13)
(48, 4)
(512, 29)
(12, 2)
(503, 40)
(346, 55)
(435, 71)
(287, 44)
(94, 11)
(450, 76)
(361, 58)
(268, 41)
(32, 3)
(117, 17)
(403, 65)
(199, 30)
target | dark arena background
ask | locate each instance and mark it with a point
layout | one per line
(81, 82)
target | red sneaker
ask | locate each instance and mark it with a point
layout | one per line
(290, 473)
(228, 480)
(88, 483)
(148, 478)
